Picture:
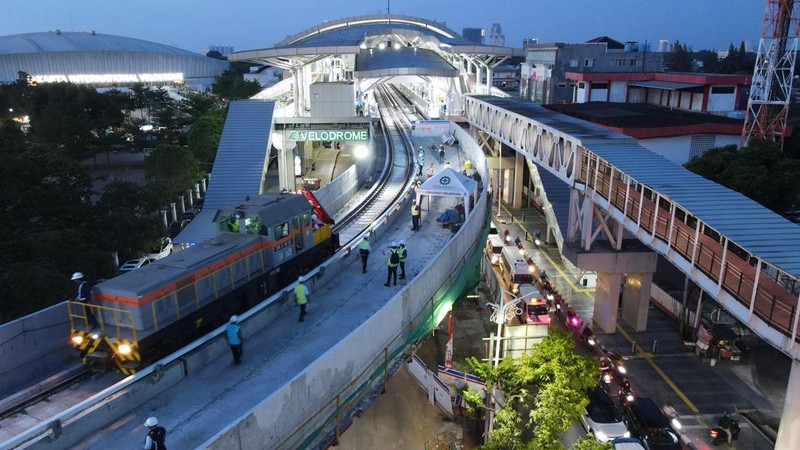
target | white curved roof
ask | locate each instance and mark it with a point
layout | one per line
(52, 41)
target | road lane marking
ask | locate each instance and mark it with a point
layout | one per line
(649, 358)
(566, 277)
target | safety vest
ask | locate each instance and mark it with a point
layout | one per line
(414, 210)
(403, 253)
(300, 294)
(393, 252)
(364, 245)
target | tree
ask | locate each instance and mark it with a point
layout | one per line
(547, 386)
(204, 138)
(590, 443)
(198, 105)
(232, 86)
(170, 171)
(761, 171)
(679, 59)
(128, 223)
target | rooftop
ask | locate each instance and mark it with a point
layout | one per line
(61, 41)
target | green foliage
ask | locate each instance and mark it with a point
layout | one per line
(589, 443)
(73, 117)
(204, 137)
(472, 398)
(761, 171)
(198, 105)
(550, 380)
(128, 223)
(679, 59)
(170, 171)
(232, 86)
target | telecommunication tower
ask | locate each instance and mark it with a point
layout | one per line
(771, 89)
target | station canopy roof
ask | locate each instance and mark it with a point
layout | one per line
(353, 34)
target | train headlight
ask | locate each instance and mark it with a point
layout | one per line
(77, 339)
(124, 349)
(95, 336)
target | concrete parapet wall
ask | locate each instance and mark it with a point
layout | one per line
(305, 403)
(335, 194)
(78, 427)
(38, 342)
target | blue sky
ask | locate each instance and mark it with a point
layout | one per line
(248, 24)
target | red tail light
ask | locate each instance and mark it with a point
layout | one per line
(713, 433)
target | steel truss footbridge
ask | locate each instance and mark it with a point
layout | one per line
(740, 253)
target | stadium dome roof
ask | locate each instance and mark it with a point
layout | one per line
(59, 41)
(101, 59)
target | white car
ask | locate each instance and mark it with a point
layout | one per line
(163, 250)
(132, 264)
(601, 417)
(627, 444)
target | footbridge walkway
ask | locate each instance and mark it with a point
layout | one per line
(740, 253)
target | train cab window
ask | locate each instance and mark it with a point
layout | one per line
(297, 233)
(281, 231)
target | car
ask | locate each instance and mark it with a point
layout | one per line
(492, 228)
(601, 417)
(133, 264)
(646, 422)
(188, 216)
(162, 250)
(627, 444)
(176, 227)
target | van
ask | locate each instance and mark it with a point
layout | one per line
(494, 246)
(515, 267)
(534, 310)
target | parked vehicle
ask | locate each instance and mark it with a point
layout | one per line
(646, 422)
(162, 250)
(627, 444)
(133, 264)
(601, 418)
(494, 246)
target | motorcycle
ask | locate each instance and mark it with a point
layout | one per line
(625, 393)
(720, 434)
(617, 360)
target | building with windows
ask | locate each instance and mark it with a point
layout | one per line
(543, 74)
(496, 37)
(476, 35)
(103, 60)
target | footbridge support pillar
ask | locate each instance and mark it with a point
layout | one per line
(626, 273)
(789, 430)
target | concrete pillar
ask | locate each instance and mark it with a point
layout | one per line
(174, 212)
(296, 76)
(191, 199)
(489, 73)
(519, 164)
(164, 217)
(197, 191)
(636, 300)
(606, 301)
(183, 205)
(789, 430)
(203, 186)
(286, 169)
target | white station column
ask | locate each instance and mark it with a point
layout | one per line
(789, 430)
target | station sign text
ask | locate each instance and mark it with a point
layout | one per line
(329, 135)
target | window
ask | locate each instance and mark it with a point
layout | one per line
(562, 84)
(281, 231)
(700, 144)
(634, 62)
(581, 85)
(298, 234)
(588, 62)
(618, 62)
(573, 63)
(723, 89)
(599, 85)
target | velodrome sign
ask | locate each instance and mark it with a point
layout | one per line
(329, 135)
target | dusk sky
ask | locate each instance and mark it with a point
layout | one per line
(196, 24)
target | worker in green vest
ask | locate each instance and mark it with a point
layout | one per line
(363, 250)
(301, 296)
(391, 264)
(402, 251)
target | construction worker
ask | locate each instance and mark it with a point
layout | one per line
(402, 252)
(155, 435)
(363, 250)
(301, 296)
(391, 264)
(234, 334)
(415, 215)
(84, 295)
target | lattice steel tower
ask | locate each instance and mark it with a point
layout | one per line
(771, 90)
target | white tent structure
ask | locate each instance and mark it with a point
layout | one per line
(449, 183)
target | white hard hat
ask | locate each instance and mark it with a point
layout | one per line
(234, 318)
(394, 243)
(301, 278)
(402, 242)
(77, 275)
(151, 422)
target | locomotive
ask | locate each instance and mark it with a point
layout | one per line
(262, 246)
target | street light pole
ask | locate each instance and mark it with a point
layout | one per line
(502, 312)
